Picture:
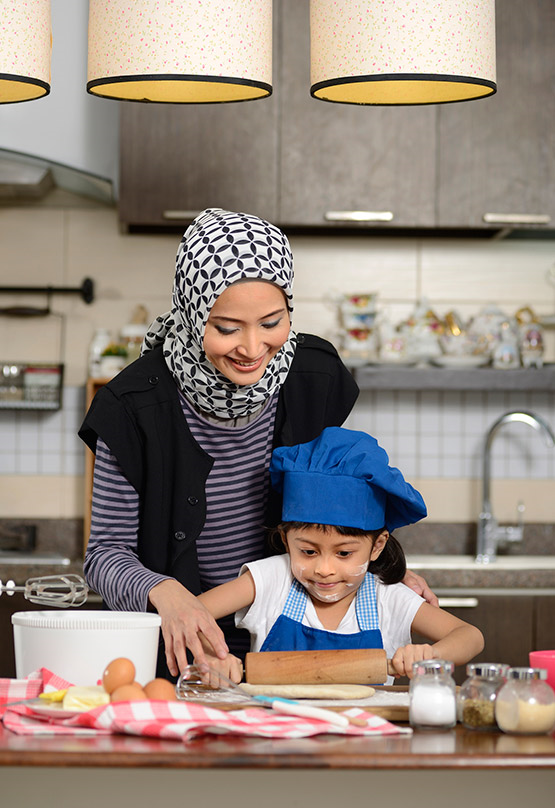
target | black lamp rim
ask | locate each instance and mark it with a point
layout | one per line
(15, 77)
(436, 77)
(178, 78)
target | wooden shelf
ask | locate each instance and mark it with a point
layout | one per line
(376, 377)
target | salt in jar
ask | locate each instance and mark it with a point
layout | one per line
(476, 698)
(432, 695)
(525, 705)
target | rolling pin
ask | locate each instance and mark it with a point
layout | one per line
(358, 666)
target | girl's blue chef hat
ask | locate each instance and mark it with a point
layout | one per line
(343, 478)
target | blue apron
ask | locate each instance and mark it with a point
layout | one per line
(289, 634)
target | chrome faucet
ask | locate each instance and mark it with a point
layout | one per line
(490, 533)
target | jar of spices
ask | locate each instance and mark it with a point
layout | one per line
(432, 695)
(525, 704)
(476, 699)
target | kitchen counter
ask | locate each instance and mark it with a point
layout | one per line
(475, 577)
(460, 764)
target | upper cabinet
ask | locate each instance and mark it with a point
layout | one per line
(300, 162)
(336, 159)
(496, 157)
(176, 160)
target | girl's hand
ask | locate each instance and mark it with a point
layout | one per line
(185, 621)
(419, 585)
(231, 667)
(404, 657)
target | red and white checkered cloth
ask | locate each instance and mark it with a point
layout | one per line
(181, 720)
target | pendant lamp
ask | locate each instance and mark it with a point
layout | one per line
(402, 51)
(25, 49)
(180, 51)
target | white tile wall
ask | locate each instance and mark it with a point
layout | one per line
(441, 435)
(429, 435)
(44, 443)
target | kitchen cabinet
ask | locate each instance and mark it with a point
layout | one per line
(176, 160)
(18, 603)
(497, 156)
(340, 158)
(512, 624)
(304, 163)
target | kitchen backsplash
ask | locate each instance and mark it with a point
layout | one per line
(434, 437)
(428, 435)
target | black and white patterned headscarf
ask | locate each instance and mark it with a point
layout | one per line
(218, 249)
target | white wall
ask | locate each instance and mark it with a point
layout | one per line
(434, 437)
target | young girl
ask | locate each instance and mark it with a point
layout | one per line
(339, 583)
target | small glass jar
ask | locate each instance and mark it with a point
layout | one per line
(432, 695)
(525, 704)
(476, 699)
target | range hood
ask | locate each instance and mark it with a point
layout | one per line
(26, 179)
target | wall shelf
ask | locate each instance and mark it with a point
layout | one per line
(374, 377)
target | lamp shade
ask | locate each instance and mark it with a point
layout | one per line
(191, 51)
(25, 50)
(402, 51)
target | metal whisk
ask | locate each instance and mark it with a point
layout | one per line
(51, 590)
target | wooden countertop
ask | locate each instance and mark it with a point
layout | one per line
(459, 749)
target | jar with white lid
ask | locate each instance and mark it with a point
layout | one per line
(476, 698)
(432, 695)
(525, 705)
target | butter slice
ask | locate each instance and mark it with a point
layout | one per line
(80, 698)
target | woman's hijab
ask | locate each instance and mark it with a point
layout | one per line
(218, 249)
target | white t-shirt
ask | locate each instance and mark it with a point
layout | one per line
(397, 606)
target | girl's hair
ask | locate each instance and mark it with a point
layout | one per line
(390, 566)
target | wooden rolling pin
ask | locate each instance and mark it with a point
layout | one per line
(358, 666)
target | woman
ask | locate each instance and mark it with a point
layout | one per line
(183, 436)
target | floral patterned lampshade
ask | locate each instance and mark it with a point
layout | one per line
(192, 51)
(25, 49)
(402, 51)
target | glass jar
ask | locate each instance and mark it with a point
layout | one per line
(525, 704)
(132, 336)
(476, 699)
(432, 695)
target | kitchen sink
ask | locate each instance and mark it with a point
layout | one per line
(468, 562)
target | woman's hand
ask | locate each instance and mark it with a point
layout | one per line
(419, 585)
(185, 620)
(404, 657)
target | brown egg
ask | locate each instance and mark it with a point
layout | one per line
(132, 692)
(118, 672)
(160, 689)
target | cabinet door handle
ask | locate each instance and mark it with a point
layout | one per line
(516, 218)
(458, 603)
(179, 215)
(358, 216)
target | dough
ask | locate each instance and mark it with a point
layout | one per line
(310, 691)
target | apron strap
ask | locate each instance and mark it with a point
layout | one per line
(295, 604)
(366, 605)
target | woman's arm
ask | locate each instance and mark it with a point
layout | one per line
(113, 569)
(452, 639)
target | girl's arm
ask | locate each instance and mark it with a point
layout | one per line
(229, 597)
(452, 639)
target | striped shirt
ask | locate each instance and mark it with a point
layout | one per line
(236, 497)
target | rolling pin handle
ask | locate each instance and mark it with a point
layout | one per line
(390, 669)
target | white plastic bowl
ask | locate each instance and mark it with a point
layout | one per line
(79, 645)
